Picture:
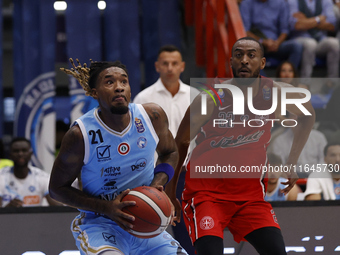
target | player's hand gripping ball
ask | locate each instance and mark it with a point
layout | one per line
(152, 211)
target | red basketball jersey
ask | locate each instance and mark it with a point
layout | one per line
(237, 146)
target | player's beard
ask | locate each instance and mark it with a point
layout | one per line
(247, 81)
(120, 110)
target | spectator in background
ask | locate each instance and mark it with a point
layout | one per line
(268, 22)
(331, 112)
(325, 184)
(3, 161)
(174, 97)
(310, 20)
(286, 72)
(23, 184)
(336, 8)
(168, 91)
(311, 154)
(275, 186)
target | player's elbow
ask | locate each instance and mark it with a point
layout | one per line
(54, 190)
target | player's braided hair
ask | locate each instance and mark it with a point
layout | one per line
(87, 76)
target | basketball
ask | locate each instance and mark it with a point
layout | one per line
(152, 211)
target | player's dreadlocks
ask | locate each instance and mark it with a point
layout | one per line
(87, 77)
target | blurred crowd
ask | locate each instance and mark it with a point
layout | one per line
(299, 36)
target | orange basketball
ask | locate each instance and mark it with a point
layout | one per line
(152, 211)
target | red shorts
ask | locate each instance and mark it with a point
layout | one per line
(206, 217)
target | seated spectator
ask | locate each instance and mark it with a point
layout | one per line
(268, 22)
(310, 20)
(325, 184)
(3, 161)
(336, 8)
(275, 183)
(22, 184)
(286, 72)
(311, 154)
(331, 112)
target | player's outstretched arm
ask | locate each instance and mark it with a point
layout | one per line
(66, 169)
(301, 133)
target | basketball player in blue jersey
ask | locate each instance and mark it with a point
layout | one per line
(111, 150)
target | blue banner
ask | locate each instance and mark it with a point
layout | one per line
(34, 77)
(122, 38)
(150, 39)
(161, 26)
(83, 32)
(169, 23)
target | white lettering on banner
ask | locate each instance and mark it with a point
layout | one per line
(43, 87)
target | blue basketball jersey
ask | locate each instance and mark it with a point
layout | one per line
(115, 161)
(336, 186)
(276, 194)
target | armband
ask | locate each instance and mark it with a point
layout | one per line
(165, 168)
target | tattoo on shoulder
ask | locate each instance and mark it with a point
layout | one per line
(154, 114)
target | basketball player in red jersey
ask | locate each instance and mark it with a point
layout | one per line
(235, 200)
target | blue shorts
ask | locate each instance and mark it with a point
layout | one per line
(95, 234)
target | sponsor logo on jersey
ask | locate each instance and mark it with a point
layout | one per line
(109, 184)
(267, 93)
(123, 149)
(337, 191)
(274, 216)
(223, 108)
(139, 125)
(221, 93)
(207, 223)
(230, 141)
(108, 197)
(109, 238)
(110, 171)
(103, 153)
(31, 188)
(167, 236)
(141, 142)
(139, 165)
(32, 200)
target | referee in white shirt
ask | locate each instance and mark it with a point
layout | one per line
(174, 97)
